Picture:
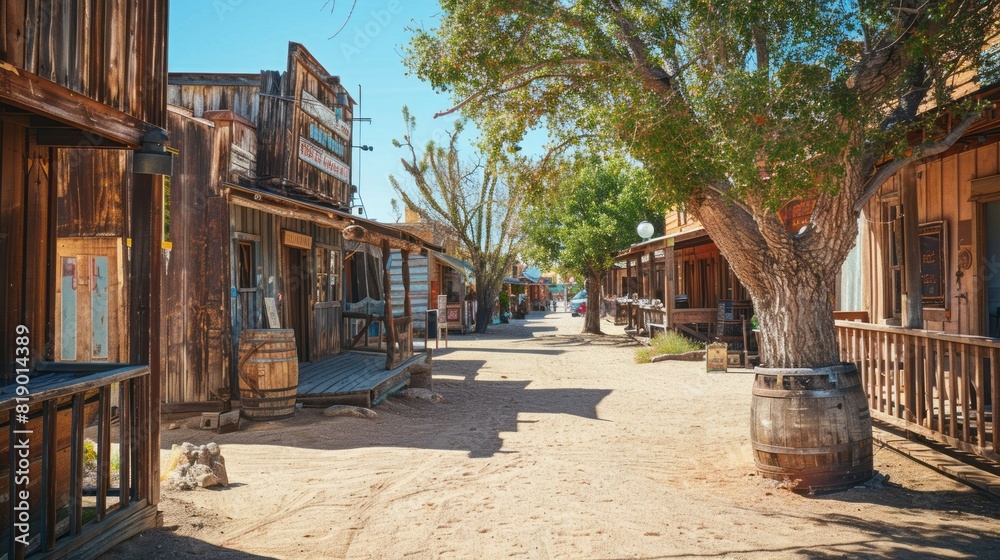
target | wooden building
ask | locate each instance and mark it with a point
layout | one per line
(675, 281)
(438, 273)
(259, 215)
(82, 111)
(928, 257)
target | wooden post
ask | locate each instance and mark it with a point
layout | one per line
(407, 310)
(668, 291)
(628, 289)
(390, 326)
(913, 307)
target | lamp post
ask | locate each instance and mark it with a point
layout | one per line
(645, 230)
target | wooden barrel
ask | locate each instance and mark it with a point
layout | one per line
(269, 373)
(811, 427)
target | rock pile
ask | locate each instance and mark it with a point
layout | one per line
(196, 467)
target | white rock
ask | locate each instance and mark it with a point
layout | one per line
(352, 411)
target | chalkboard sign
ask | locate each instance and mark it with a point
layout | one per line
(933, 263)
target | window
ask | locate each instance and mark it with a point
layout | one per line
(892, 249)
(246, 277)
(327, 274)
(246, 283)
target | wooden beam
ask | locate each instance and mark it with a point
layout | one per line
(31, 92)
(366, 235)
(72, 138)
(913, 307)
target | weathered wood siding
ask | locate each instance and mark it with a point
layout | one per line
(91, 187)
(264, 230)
(943, 189)
(27, 246)
(420, 285)
(295, 108)
(113, 51)
(214, 92)
(194, 332)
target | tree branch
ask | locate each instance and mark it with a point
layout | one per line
(888, 170)
(491, 90)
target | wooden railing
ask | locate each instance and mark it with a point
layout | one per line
(363, 339)
(654, 318)
(66, 509)
(698, 323)
(944, 387)
(400, 348)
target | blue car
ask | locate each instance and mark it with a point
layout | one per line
(578, 305)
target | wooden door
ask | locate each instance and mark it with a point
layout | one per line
(297, 288)
(89, 300)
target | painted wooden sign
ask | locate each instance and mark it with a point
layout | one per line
(323, 160)
(296, 239)
(716, 357)
(272, 313)
(325, 115)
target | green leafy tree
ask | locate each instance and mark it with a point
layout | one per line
(735, 108)
(478, 197)
(588, 217)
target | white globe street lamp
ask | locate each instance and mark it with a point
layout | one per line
(645, 230)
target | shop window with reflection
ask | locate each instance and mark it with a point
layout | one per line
(327, 274)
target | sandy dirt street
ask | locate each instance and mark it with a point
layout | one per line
(550, 444)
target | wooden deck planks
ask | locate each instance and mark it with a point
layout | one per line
(347, 373)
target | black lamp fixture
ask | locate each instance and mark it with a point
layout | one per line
(153, 158)
(364, 148)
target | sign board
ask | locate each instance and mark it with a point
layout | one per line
(296, 239)
(328, 117)
(932, 263)
(272, 313)
(716, 357)
(323, 160)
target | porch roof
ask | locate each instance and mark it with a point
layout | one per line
(662, 242)
(322, 214)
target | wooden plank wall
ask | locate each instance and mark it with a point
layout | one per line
(194, 337)
(325, 327)
(110, 50)
(274, 128)
(420, 285)
(943, 190)
(91, 188)
(237, 97)
(27, 244)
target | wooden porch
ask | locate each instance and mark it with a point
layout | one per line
(355, 378)
(942, 386)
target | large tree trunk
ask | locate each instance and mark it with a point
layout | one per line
(796, 319)
(791, 277)
(592, 317)
(484, 309)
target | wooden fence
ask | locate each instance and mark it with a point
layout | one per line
(944, 387)
(68, 508)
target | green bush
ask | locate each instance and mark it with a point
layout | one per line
(669, 343)
(504, 298)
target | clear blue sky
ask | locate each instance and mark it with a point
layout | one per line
(253, 35)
